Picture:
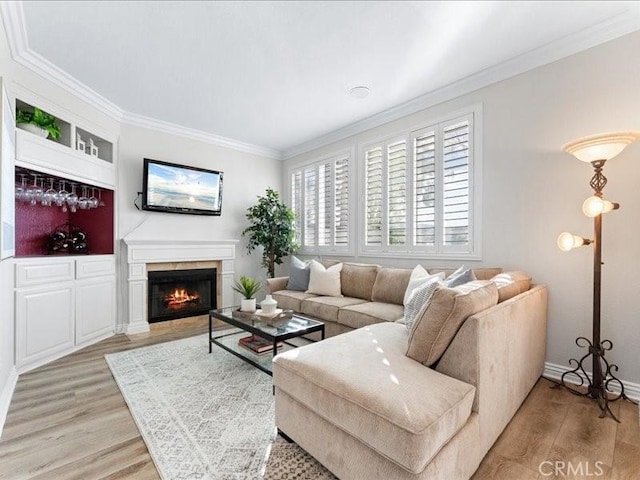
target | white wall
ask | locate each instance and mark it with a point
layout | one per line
(245, 177)
(533, 190)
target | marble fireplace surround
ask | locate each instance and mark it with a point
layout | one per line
(147, 255)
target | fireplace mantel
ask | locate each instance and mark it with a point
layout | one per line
(140, 253)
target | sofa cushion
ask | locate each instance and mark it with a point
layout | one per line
(363, 314)
(390, 285)
(326, 308)
(357, 280)
(362, 383)
(418, 298)
(291, 299)
(419, 276)
(461, 276)
(480, 273)
(440, 320)
(299, 274)
(324, 281)
(511, 284)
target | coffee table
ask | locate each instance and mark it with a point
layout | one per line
(273, 330)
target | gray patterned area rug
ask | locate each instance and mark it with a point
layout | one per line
(206, 416)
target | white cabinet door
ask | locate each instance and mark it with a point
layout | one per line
(45, 322)
(95, 308)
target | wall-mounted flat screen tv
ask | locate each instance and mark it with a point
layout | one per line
(170, 187)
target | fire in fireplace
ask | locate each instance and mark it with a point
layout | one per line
(181, 293)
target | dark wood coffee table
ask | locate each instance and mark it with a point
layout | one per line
(274, 331)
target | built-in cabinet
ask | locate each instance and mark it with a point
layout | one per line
(62, 304)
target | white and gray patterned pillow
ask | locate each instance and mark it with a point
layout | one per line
(417, 300)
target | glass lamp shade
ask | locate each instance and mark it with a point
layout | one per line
(603, 146)
(567, 241)
(594, 206)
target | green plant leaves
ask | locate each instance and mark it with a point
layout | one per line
(247, 286)
(41, 119)
(271, 228)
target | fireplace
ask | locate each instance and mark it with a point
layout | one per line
(181, 293)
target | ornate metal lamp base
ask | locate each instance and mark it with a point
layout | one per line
(598, 388)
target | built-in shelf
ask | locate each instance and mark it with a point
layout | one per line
(35, 223)
(70, 155)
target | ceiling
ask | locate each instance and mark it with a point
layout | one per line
(277, 74)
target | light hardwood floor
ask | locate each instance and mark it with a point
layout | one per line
(68, 420)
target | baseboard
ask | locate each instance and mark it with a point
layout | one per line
(135, 328)
(7, 395)
(554, 372)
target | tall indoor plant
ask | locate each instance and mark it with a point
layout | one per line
(271, 228)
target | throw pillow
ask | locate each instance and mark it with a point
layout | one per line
(325, 281)
(298, 274)
(418, 299)
(419, 276)
(461, 276)
(438, 323)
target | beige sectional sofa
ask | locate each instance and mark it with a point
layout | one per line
(364, 409)
(371, 294)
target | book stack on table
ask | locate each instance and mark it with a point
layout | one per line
(256, 344)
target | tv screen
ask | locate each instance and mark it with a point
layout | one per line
(169, 187)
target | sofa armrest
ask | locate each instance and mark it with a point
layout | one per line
(277, 283)
(501, 351)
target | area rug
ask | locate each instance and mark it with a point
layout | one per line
(206, 416)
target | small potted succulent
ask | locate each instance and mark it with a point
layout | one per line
(38, 122)
(247, 287)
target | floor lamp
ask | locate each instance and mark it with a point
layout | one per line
(596, 150)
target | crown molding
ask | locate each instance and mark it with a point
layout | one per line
(15, 28)
(174, 129)
(602, 32)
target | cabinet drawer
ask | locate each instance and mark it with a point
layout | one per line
(95, 266)
(41, 271)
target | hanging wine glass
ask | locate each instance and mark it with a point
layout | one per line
(36, 191)
(100, 201)
(21, 191)
(49, 195)
(83, 201)
(93, 201)
(72, 199)
(61, 199)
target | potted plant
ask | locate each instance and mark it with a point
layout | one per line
(38, 122)
(247, 287)
(272, 229)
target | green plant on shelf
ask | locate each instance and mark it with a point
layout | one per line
(41, 119)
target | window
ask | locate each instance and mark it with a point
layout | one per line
(418, 190)
(320, 202)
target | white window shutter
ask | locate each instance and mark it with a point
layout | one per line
(397, 193)
(325, 204)
(310, 206)
(455, 195)
(296, 204)
(424, 191)
(373, 192)
(341, 212)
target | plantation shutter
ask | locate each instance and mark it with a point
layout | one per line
(373, 191)
(325, 204)
(310, 206)
(296, 204)
(456, 207)
(341, 212)
(397, 193)
(424, 208)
